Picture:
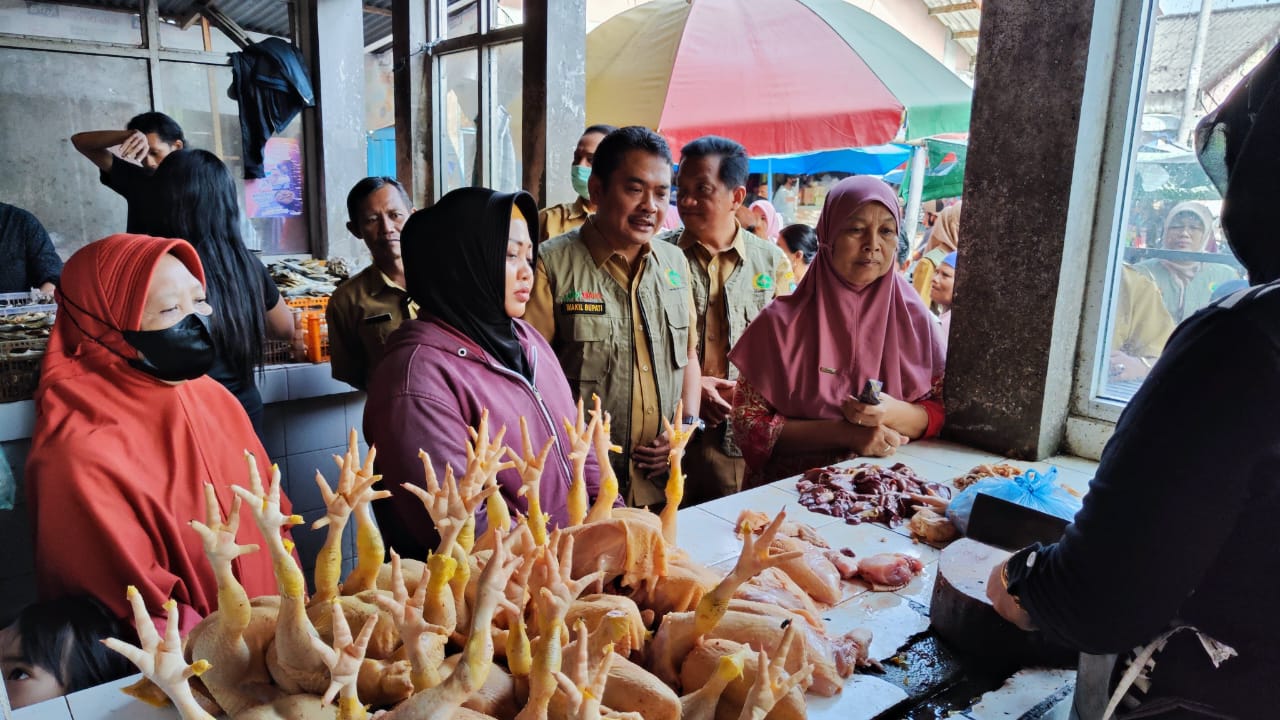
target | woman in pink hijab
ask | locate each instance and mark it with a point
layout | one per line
(807, 356)
(769, 222)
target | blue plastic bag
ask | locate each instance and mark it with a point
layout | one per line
(1038, 491)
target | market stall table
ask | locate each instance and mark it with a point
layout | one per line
(922, 677)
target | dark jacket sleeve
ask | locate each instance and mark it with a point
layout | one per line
(1170, 489)
(43, 263)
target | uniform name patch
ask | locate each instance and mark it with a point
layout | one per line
(582, 307)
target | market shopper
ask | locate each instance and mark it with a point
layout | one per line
(734, 275)
(560, 219)
(1171, 569)
(129, 433)
(469, 261)
(369, 306)
(942, 291)
(196, 200)
(617, 308)
(1186, 286)
(807, 357)
(27, 257)
(944, 239)
(800, 243)
(769, 222)
(145, 142)
(786, 200)
(1140, 327)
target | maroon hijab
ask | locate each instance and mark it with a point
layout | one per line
(808, 351)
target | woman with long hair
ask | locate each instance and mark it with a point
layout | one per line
(197, 201)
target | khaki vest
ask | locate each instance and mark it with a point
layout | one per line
(594, 332)
(750, 287)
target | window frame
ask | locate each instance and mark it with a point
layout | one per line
(1117, 74)
(484, 42)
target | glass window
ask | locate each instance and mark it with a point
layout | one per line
(1168, 258)
(506, 64)
(459, 108)
(463, 18)
(121, 26)
(196, 96)
(39, 116)
(506, 13)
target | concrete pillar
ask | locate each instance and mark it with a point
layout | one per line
(332, 40)
(1020, 284)
(555, 105)
(413, 105)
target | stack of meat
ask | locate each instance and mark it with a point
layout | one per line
(868, 493)
(521, 622)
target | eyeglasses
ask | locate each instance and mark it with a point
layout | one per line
(1192, 229)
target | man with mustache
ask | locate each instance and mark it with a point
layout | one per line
(618, 310)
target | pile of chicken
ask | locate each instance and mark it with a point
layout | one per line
(522, 622)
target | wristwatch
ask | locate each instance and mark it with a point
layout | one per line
(698, 423)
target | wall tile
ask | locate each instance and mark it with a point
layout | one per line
(299, 482)
(274, 419)
(314, 424)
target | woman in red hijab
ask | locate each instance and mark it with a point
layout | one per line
(807, 356)
(128, 432)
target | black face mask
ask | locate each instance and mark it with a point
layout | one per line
(181, 352)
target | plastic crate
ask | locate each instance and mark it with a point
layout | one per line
(319, 302)
(277, 352)
(20, 367)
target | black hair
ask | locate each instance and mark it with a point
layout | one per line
(800, 238)
(601, 128)
(618, 143)
(369, 186)
(62, 637)
(733, 157)
(196, 200)
(165, 127)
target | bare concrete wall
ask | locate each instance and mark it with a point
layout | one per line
(1018, 286)
(45, 97)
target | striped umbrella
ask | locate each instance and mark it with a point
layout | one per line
(779, 76)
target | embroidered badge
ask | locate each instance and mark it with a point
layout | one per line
(575, 302)
(763, 281)
(827, 370)
(674, 279)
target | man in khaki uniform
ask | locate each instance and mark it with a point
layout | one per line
(618, 310)
(560, 219)
(734, 275)
(366, 308)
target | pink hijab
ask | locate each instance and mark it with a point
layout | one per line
(809, 350)
(772, 218)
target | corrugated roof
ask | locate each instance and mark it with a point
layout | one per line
(1234, 35)
(961, 18)
(270, 17)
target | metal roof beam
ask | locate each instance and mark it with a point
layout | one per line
(220, 20)
(965, 35)
(955, 7)
(375, 10)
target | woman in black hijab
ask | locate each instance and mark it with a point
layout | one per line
(468, 262)
(1170, 574)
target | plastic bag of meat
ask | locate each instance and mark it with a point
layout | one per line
(1038, 491)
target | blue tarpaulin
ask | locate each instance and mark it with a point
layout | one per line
(873, 160)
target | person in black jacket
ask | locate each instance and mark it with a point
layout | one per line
(1171, 570)
(27, 257)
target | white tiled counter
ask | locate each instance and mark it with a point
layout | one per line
(706, 532)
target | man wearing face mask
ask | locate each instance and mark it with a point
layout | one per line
(560, 219)
(132, 438)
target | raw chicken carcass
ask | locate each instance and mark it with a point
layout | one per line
(889, 571)
(812, 571)
(775, 587)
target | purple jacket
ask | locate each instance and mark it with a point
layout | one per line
(432, 385)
